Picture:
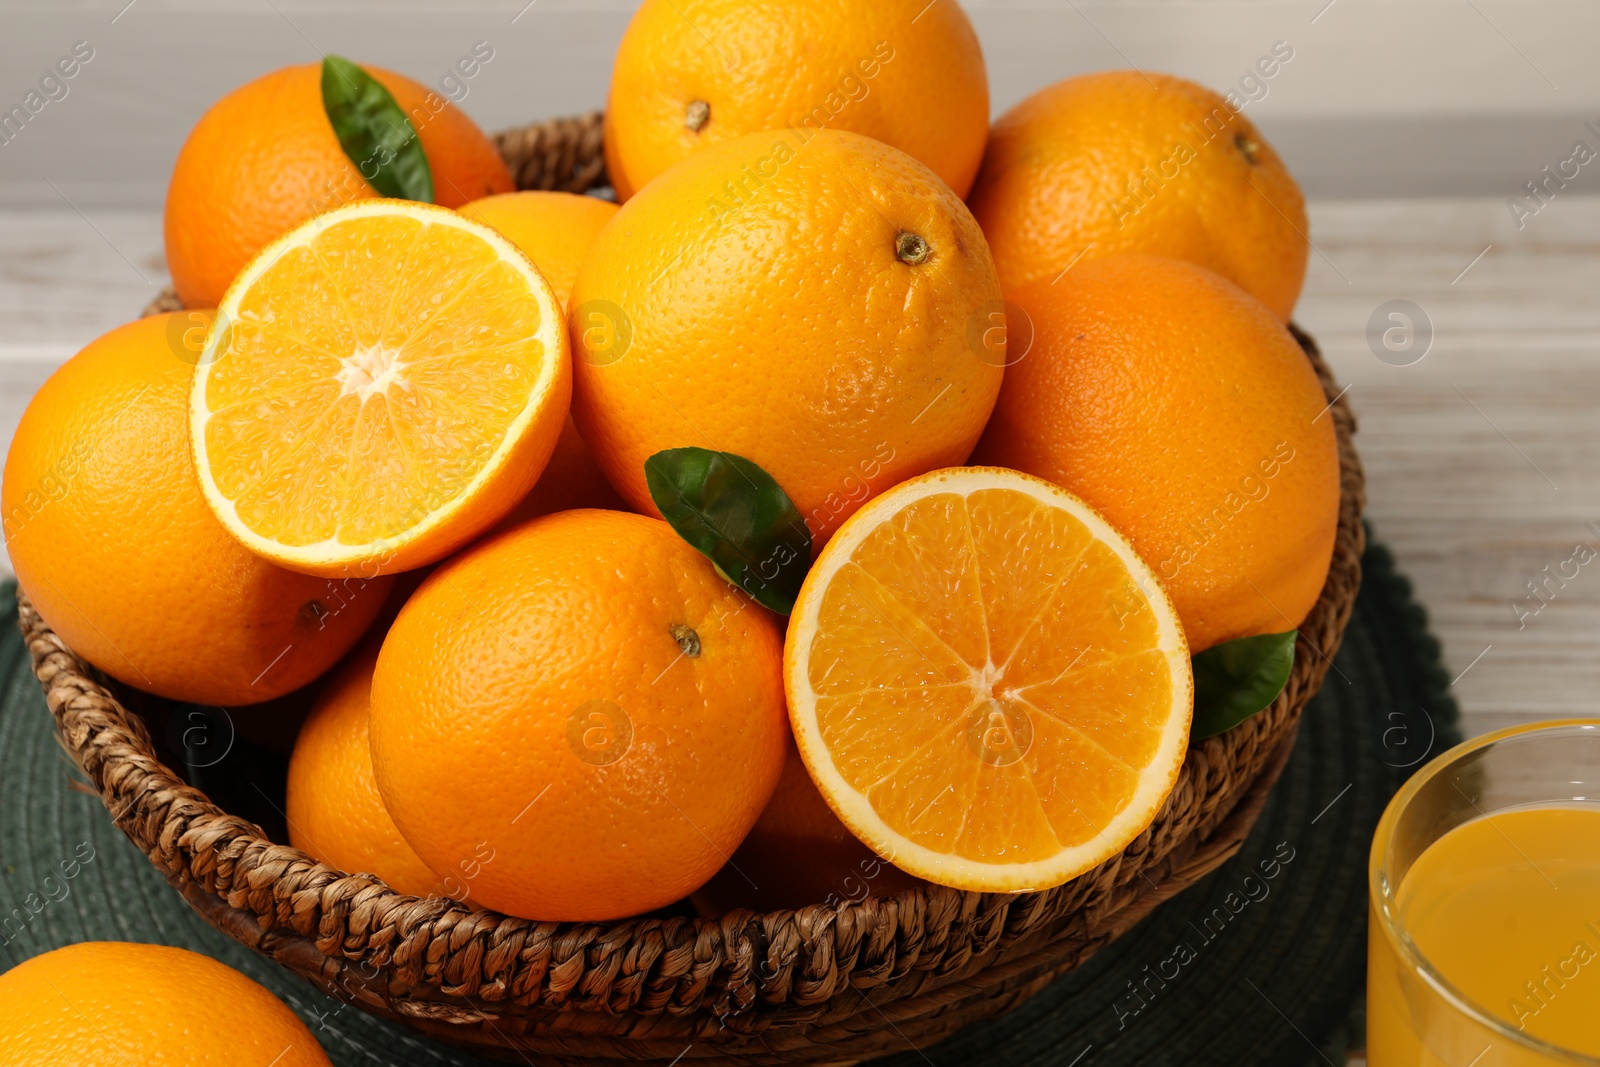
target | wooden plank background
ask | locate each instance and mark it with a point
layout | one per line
(1382, 97)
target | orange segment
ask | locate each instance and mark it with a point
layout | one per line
(986, 682)
(381, 385)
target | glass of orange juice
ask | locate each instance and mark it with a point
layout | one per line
(1484, 880)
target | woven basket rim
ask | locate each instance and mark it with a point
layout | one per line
(442, 960)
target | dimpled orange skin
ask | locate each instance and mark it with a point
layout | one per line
(553, 229)
(332, 804)
(521, 667)
(110, 536)
(798, 853)
(1181, 409)
(570, 480)
(1127, 162)
(779, 322)
(906, 72)
(556, 231)
(117, 1002)
(265, 158)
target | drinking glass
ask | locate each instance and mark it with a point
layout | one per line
(1418, 1012)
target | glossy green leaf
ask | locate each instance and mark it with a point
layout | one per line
(374, 132)
(738, 516)
(1236, 679)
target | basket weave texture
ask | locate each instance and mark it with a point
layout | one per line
(818, 985)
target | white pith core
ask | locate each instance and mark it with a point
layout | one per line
(985, 680)
(371, 370)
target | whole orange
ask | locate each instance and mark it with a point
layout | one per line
(570, 480)
(112, 539)
(116, 1002)
(578, 719)
(1124, 161)
(555, 230)
(798, 854)
(816, 305)
(333, 807)
(693, 73)
(265, 158)
(1185, 412)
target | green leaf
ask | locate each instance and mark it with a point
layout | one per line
(738, 516)
(374, 132)
(1236, 679)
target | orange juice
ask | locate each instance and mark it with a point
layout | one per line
(1506, 909)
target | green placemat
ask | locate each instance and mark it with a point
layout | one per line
(1261, 963)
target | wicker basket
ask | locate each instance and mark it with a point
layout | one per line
(821, 984)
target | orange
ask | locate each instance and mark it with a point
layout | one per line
(333, 807)
(570, 480)
(111, 537)
(694, 73)
(578, 719)
(265, 158)
(1179, 406)
(382, 385)
(986, 682)
(115, 1002)
(816, 308)
(555, 230)
(1123, 161)
(798, 854)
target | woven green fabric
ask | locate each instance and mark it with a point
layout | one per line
(1261, 963)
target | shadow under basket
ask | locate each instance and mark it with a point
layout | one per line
(822, 984)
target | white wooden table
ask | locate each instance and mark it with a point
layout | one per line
(1483, 459)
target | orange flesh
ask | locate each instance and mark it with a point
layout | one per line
(316, 428)
(926, 693)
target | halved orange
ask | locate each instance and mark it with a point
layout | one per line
(380, 386)
(986, 682)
